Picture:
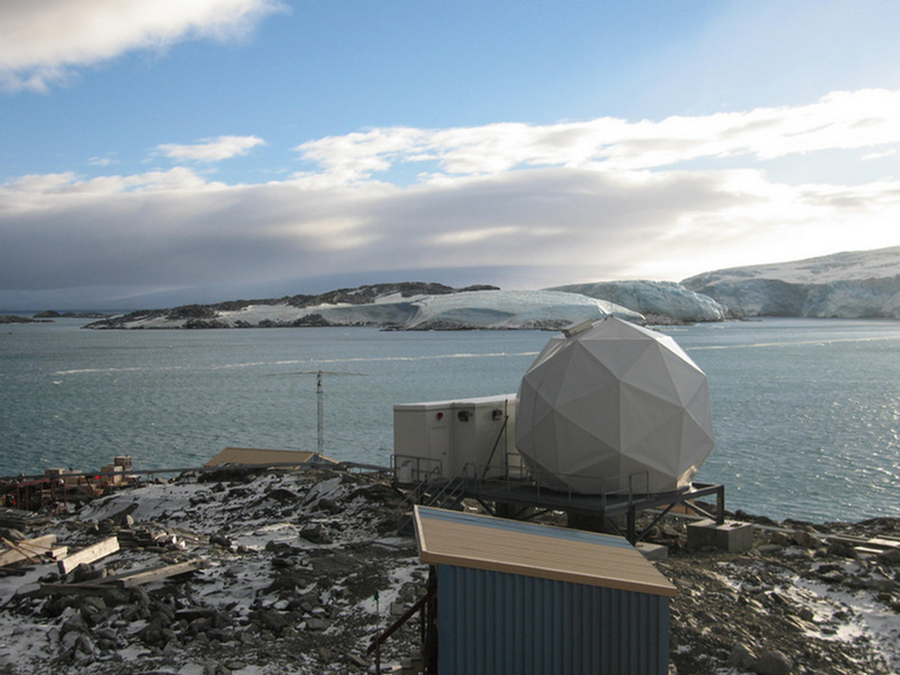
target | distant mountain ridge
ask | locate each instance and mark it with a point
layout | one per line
(401, 306)
(197, 315)
(858, 284)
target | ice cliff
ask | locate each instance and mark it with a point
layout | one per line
(658, 300)
(511, 309)
(851, 285)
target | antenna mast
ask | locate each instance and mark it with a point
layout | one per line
(320, 414)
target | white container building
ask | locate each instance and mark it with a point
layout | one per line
(445, 439)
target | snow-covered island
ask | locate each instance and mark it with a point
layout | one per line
(397, 306)
(851, 285)
(863, 284)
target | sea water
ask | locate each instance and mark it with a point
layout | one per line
(806, 412)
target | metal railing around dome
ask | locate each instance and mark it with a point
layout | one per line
(519, 491)
(414, 470)
(513, 489)
(603, 490)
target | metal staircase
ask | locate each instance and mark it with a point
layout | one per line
(442, 494)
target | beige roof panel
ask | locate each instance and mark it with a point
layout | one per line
(262, 457)
(529, 549)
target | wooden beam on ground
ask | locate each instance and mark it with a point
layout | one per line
(54, 553)
(15, 547)
(879, 544)
(155, 574)
(88, 555)
(26, 549)
(58, 553)
(126, 580)
(38, 547)
(80, 588)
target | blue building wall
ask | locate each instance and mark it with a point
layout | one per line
(495, 623)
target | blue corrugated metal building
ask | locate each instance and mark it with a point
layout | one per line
(520, 598)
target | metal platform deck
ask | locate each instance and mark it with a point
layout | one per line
(506, 496)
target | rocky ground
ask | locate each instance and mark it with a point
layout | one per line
(13, 318)
(801, 601)
(298, 571)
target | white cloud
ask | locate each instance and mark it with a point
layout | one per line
(840, 120)
(564, 203)
(212, 149)
(60, 192)
(43, 43)
(879, 155)
(359, 154)
(174, 228)
(101, 161)
(479, 235)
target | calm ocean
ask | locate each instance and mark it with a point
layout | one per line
(806, 412)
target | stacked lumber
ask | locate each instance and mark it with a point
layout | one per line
(32, 550)
(42, 549)
(155, 539)
(23, 521)
(125, 580)
(882, 545)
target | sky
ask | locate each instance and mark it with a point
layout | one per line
(159, 152)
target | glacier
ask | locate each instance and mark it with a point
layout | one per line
(512, 309)
(659, 301)
(850, 285)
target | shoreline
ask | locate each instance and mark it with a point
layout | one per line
(92, 406)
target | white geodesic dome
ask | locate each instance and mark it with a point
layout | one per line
(612, 406)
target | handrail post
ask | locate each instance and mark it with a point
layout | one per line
(720, 505)
(375, 645)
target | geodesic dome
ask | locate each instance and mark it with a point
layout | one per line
(610, 405)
